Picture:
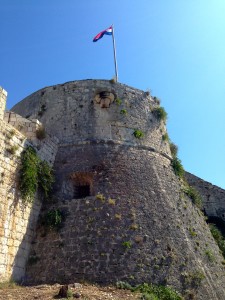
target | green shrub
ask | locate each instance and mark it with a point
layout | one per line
(123, 112)
(28, 180)
(53, 219)
(151, 292)
(173, 149)
(118, 101)
(138, 134)
(219, 238)
(160, 113)
(159, 291)
(34, 173)
(127, 244)
(194, 195)
(45, 177)
(69, 294)
(193, 279)
(210, 255)
(165, 137)
(177, 167)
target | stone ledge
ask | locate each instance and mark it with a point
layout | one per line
(112, 143)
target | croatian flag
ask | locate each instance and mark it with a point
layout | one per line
(100, 35)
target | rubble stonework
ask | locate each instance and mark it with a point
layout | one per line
(213, 196)
(18, 220)
(125, 216)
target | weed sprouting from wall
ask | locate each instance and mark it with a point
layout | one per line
(192, 193)
(45, 177)
(138, 134)
(160, 113)
(177, 167)
(173, 149)
(219, 238)
(53, 219)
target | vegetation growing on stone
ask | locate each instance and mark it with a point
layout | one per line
(192, 193)
(138, 134)
(160, 113)
(33, 174)
(219, 238)
(45, 177)
(28, 180)
(173, 149)
(177, 167)
(118, 101)
(123, 112)
(127, 244)
(151, 291)
(165, 137)
(53, 219)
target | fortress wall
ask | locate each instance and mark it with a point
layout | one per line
(72, 113)
(135, 226)
(213, 196)
(3, 96)
(18, 219)
(25, 126)
(125, 215)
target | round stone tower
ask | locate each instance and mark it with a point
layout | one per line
(125, 215)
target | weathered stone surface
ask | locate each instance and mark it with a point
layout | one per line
(17, 220)
(126, 217)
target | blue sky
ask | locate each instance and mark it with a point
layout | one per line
(175, 48)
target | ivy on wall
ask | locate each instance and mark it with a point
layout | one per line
(34, 174)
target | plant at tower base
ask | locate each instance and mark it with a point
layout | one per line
(151, 291)
(34, 174)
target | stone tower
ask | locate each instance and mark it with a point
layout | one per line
(125, 216)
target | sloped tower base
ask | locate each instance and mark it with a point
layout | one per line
(126, 217)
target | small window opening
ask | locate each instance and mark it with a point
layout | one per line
(81, 191)
(82, 184)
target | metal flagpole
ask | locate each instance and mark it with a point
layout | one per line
(114, 50)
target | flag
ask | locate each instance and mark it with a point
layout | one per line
(108, 31)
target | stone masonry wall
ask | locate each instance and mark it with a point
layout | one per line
(18, 220)
(73, 114)
(125, 216)
(213, 196)
(136, 226)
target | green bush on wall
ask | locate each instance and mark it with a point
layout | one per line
(138, 134)
(28, 180)
(53, 219)
(34, 174)
(177, 167)
(160, 113)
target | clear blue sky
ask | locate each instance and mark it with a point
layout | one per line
(175, 48)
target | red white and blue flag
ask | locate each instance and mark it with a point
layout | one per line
(108, 31)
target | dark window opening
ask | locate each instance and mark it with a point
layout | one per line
(81, 191)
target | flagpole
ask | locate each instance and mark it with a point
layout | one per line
(114, 51)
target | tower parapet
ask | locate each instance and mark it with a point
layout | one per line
(3, 96)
